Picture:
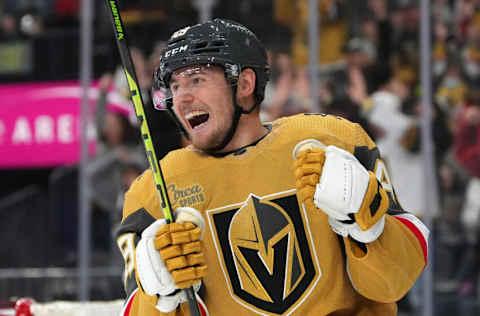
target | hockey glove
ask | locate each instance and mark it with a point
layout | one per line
(334, 181)
(169, 257)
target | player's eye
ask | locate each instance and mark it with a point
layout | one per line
(174, 87)
(197, 80)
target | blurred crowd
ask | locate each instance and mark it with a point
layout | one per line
(29, 18)
(368, 71)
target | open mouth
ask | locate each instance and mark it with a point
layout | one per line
(197, 118)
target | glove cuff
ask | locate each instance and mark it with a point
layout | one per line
(168, 303)
(355, 232)
(374, 205)
(152, 273)
(369, 235)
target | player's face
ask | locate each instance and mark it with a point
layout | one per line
(202, 101)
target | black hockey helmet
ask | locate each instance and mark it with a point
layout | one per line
(218, 42)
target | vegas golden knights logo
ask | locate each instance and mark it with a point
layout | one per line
(267, 252)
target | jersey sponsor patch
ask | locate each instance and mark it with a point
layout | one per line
(266, 252)
(191, 195)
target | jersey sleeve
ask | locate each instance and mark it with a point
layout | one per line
(384, 270)
(139, 211)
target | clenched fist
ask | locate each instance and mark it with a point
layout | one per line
(169, 257)
(332, 180)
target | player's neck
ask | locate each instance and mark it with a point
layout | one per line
(249, 130)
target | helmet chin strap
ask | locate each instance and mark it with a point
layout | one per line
(238, 111)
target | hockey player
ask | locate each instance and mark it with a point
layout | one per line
(293, 217)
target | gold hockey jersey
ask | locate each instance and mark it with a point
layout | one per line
(266, 253)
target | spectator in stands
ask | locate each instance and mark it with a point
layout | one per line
(30, 15)
(360, 54)
(466, 14)
(142, 71)
(42, 8)
(279, 90)
(467, 153)
(406, 26)
(393, 140)
(451, 91)
(444, 10)
(377, 29)
(119, 145)
(440, 49)
(31, 25)
(471, 54)
(333, 28)
(452, 249)
(8, 28)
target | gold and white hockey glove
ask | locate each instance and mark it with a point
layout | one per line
(169, 257)
(333, 180)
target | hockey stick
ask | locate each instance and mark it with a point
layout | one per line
(145, 131)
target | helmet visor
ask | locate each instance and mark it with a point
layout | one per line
(183, 81)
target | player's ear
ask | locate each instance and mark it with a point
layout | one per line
(246, 83)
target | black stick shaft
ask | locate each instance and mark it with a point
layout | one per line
(136, 97)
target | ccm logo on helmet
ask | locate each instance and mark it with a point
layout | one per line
(176, 50)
